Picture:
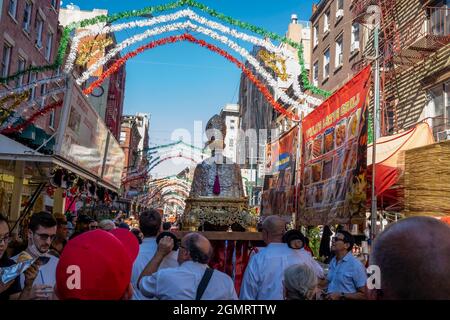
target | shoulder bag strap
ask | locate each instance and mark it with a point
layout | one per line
(204, 283)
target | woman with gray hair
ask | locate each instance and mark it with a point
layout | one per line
(107, 225)
(300, 283)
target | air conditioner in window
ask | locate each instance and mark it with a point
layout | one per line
(443, 135)
(339, 13)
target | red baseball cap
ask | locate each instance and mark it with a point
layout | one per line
(129, 240)
(96, 265)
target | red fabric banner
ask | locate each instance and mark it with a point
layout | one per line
(334, 159)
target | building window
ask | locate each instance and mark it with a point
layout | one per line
(439, 18)
(232, 121)
(54, 4)
(339, 55)
(123, 137)
(316, 74)
(315, 36)
(6, 59)
(51, 122)
(440, 107)
(48, 46)
(33, 78)
(39, 28)
(355, 37)
(231, 127)
(13, 8)
(326, 22)
(27, 16)
(339, 9)
(326, 64)
(43, 89)
(231, 143)
(21, 64)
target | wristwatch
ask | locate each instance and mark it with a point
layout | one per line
(342, 296)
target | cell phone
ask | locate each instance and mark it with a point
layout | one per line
(43, 260)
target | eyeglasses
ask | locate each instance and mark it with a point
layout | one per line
(5, 239)
(44, 236)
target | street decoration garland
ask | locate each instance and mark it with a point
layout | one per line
(31, 85)
(17, 98)
(189, 25)
(162, 146)
(65, 39)
(187, 37)
(33, 117)
(17, 114)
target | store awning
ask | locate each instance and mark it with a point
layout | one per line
(390, 159)
(11, 150)
(11, 147)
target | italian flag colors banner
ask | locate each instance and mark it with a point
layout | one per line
(333, 182)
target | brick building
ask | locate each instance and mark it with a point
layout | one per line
(129, 142)
(336, 44)
(109, 97)
(29, 36)
(415, 65)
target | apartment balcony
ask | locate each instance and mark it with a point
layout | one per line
(423, 35)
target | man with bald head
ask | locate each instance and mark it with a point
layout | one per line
(183, 282)
(263, 278)
(413, 255)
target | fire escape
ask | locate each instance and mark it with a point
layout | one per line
(403, 44)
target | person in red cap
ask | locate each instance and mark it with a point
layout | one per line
(97, 265)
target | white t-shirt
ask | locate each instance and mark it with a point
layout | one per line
(263, 278)
(147, 250)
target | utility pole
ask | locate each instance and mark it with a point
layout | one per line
(375, 133)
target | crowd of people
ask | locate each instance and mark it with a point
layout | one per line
(80, 258)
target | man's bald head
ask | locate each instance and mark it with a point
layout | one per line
(414, 259)
(198, 246)
(275, 227)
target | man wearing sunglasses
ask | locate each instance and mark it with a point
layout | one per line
(41, 233)
(347, 276)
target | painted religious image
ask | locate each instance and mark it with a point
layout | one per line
(333, 168)
(279, 194)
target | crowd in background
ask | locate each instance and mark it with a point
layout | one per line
(115, 259)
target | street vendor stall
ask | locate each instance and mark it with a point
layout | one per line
(390, 164)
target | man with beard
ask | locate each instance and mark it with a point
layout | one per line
(41, 233)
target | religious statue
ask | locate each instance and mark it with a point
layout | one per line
(217, 201)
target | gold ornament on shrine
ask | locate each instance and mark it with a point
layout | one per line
(276, 63)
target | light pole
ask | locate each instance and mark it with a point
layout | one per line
(375, 133)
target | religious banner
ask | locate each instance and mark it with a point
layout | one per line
(334, 152)
(279, 190)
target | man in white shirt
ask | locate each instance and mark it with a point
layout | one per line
(182, 283)
(263, 278)
(41, 233)
(150, 226)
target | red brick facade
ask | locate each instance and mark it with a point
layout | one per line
(29, 36)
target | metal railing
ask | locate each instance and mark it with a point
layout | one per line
(438, 22)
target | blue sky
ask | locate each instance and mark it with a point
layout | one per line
(182, 83)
